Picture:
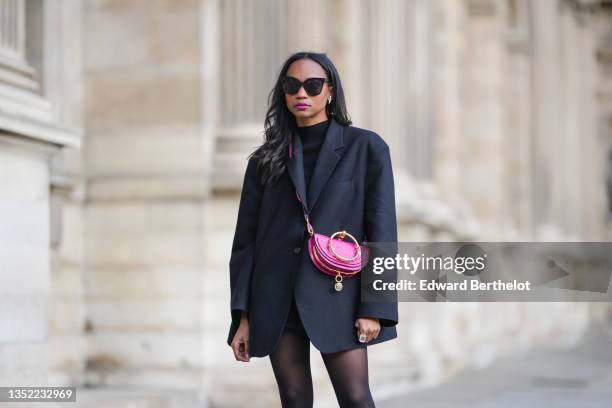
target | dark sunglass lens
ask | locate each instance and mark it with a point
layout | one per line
(313, 86)
(290, 85)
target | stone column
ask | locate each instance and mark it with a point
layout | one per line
(446, 43)
(481, 113)
(146, 191)
(546, 109)
(565, 157)
(255, 39)
(35, 125)
(579, 167)
(603, 30)
(348, 33)
(517, 121)
(24, 261)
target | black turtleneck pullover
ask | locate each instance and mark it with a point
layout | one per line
(312, 138)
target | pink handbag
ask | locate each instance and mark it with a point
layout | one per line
(334, 257)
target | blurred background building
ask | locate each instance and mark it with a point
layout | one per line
(124, 131)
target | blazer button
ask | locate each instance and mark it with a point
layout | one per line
(297, 250)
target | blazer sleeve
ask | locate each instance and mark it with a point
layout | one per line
(242, 258)
(380, 224)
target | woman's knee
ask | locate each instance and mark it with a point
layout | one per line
(356, 398)
(297, 396)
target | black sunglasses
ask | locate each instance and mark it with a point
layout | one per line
(312, 86)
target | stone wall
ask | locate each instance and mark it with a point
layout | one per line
(115, 248)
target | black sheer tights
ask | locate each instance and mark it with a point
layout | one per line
(348, 372)
(291, 365)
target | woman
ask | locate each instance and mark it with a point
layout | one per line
(280, 302)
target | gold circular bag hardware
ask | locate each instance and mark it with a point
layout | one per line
(338, 285)
(342, 235)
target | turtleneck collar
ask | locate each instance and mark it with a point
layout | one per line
(313, 128)
(312, 136)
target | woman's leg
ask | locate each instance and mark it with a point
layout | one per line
(348, 371)
(291, 365)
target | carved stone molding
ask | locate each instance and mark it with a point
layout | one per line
(14, 70)
(233, 145)
(583, 8)
(604, 53)
(486, 8)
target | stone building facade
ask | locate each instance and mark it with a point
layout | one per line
(124, 131)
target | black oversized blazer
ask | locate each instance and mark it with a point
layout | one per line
(351, 189)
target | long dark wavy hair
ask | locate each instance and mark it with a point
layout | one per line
(272, 155)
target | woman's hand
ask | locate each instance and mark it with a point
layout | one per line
(367, 329)
(240, 343)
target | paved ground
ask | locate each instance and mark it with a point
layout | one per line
(579, 378)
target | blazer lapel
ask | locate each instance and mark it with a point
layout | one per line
(295, 168)
(325, 164)
(326, 161)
